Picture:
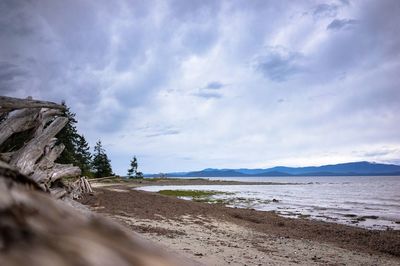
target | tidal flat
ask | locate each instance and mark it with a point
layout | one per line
(213, 234)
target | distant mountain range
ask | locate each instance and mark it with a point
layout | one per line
(343, 169)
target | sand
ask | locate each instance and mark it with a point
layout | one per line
(217, 235)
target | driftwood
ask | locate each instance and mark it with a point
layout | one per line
(18, 121)
(36, 157)
(27, 156)
(37, 230)
(81, 187)
(8, 104)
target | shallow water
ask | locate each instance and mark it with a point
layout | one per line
(369, 202)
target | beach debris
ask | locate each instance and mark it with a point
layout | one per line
(40, 223)
(38, 122)
(37, 228)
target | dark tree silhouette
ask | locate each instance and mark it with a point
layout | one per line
(101, 164)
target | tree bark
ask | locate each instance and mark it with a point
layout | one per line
(26, 157)
(47, 161)
(18, 121)
(63, 170)
(6, 157)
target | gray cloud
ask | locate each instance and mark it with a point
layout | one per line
(379, 153)
(210, 90)
(278, 64)
(214, 85)
(10, 74)
(10, 71)
(153, 131)
(208, 95)
(345, 2)
(8, 27)
(325, 10)
(165, 132)
(338, 24)
(359, 48)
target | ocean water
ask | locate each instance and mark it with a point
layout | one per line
(371, 202)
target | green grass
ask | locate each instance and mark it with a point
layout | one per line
(198, 195)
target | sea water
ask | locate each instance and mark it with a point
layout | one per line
(371, 202)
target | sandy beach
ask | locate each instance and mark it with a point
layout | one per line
(212, 234)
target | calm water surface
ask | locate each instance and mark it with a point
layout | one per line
(370, 202)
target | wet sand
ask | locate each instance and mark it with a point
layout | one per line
(217, 235)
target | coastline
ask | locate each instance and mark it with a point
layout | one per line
(216, 235)
(340, 201)
(133, 183)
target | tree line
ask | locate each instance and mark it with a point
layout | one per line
(77, 152)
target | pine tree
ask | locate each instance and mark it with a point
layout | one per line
(101, 164)
(133, 172)
(83, 156)
(69, 137)
(77, 150)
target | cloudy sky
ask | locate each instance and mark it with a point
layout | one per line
(186, 85)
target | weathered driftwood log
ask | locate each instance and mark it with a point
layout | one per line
(27, 156)
(81, 187)
(48, 161)
(63, 170)
(18, 121)
(45, 117)
(24, 119)
(6, 157)
(37, 230)
(37, 156)
(8, 104)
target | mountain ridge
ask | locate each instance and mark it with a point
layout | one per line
(362, 168)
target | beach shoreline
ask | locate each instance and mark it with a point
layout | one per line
(338, 201)
(213, 234)
(134, 183)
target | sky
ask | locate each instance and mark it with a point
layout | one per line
(186, 85)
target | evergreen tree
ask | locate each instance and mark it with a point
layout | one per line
(101, 164)
(83, 156)
(77, 150)
(133, 172)
(69, 137)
